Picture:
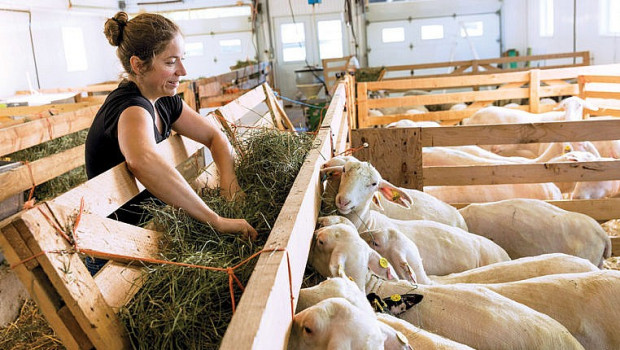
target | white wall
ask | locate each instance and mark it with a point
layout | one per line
(520, 23)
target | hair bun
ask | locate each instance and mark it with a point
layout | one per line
(113, 28)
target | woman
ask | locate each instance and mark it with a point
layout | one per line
(143, 110)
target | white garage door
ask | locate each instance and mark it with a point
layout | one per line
(438, 39)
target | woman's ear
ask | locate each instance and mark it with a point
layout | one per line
(136, 65)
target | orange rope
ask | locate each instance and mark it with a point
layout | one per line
(350, 151)
(229, 270)
(30, 202)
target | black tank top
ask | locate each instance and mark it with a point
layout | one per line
(102, 149)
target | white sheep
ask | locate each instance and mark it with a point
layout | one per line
(520, 269)
(398, 333)
(407, 123)
(333, 288)
(335, 323)
(400, 251)
(338, 250)
(445, 249)
(573, 110)
(585, 303)
(476, 316)
(423, 206)
(528, 227)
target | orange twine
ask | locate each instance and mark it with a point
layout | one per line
(350, 151)
(229, 270)
(30, 202)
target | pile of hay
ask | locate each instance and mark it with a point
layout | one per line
(189, 308)
(369, 74)
(62, 183)
(30, 331)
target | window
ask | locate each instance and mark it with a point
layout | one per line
(230, 46)
(194, 49)
(393, 35)
(293, 42)
(546, 18)
(431, 32)
(75, 52)
(330, 39)
(609, 14)
(471, 29)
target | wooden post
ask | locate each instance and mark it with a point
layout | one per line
(535, 91)
(362, 105)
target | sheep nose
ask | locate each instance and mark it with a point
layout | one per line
(342, 202)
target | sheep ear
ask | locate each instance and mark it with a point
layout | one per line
(395, 194)
(412, 299)
(377, 202)
(331, 171)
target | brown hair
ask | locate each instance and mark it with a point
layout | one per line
(144, 36)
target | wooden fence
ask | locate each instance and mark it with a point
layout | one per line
(531, 85)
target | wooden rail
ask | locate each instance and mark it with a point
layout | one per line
(531, 85)
(219, 90)
(487, 66)
(603, 91)
(332, 67)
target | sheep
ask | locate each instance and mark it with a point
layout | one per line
(335, 323)
(400, 251)
(520, 269)
(333, 288)
(420, 339)
(490, 193)
(458, 107)
(573, 110)
(338, 250)
(585, 303)
(397, 332)
(406, 123)
(528, 227)
(445, 249)
(476, 316)
(423, 205)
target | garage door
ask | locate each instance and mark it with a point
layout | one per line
(437, 39)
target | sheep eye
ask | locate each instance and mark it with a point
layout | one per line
(374, 184)
(308, 330)
(320, 241)
(343, 169)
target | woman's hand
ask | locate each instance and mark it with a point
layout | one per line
(236, 226)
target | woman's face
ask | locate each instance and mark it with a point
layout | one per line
(166, 71)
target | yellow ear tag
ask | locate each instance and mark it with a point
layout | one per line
(351, 278)
(402, 338)
(567, 149)
(395, 195)
(395, 297)
(383, 263)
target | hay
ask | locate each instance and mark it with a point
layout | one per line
(29, 332)
(59, 184)
(188, 308)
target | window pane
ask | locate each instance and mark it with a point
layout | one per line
(434, 31)
(75, 52)
(393, 35)
(330, 39)
(194, 49)
(471, 29)
(292, 33)
(294, 54)
(546, 18)
(614, 15)
(230, 46)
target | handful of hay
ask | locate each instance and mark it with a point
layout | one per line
(190, 308)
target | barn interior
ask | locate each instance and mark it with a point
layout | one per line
(393, 156)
